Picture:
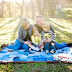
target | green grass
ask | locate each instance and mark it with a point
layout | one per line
(62, 28)
(9, 33)
(34, 67)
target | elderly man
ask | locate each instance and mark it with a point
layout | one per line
(40, 22)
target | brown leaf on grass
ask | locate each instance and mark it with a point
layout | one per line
(70, 67)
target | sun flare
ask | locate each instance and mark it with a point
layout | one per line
(28, 1)
(19, 1)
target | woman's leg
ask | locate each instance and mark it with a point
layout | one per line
(26, 47)
(16, 46)
(60, 45)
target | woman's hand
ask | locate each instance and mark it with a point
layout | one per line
(27, 42)
(29, 45)
(42, 47)
(48, 40)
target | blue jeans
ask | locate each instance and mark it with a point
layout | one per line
(19, 45)
(60, 45)
(48, 46)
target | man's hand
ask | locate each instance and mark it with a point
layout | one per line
(52, 44)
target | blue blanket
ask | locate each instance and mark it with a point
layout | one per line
(64, 54)
(21, 55)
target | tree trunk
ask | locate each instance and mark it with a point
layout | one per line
(2, 9)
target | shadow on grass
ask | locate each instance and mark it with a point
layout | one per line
(7, 23)
(69, 35)
(15, 30)
(59, 30)
(55, 23)
(64, 33)
(6, 33)
(58, 38)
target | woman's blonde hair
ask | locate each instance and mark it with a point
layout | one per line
(25, 21)
(35, 29)
(46, 25)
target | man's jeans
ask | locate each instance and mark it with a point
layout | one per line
(49, 47)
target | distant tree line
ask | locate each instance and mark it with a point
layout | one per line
(45, 8)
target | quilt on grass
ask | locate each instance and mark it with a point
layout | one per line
(64, 54)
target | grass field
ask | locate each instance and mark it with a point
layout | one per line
(8, 34)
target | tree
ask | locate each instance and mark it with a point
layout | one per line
(21, 9)
(2, 9)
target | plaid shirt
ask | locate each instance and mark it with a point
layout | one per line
(50, 33)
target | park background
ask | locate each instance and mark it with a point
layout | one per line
(56, 12)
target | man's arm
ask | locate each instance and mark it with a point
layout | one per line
(51, 29)
(53, 33)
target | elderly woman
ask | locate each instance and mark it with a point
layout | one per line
(24, 34)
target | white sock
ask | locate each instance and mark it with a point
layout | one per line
(47, 51)
(35, 48)
(41, 50)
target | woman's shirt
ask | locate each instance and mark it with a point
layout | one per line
(24, 34)
(36, 39)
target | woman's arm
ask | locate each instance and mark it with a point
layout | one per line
(33, 39)
(20, 34)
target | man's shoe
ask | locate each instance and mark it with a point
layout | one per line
(47, 51)
(52, 51)
(69, 44)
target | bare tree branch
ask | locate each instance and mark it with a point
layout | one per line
(17, 3)
(8, 8)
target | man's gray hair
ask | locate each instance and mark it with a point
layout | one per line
(39, 16)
